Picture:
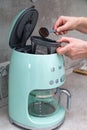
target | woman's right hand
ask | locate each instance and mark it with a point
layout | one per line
(65, 24)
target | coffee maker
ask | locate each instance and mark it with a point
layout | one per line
(36, 74)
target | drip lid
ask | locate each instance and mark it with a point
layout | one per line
(22, 27)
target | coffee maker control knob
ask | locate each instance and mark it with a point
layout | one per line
(51, 82)
(56, 81)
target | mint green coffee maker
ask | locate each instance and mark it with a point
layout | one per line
(36, 74)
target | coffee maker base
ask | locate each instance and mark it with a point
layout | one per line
(29, 128)
(45, 123)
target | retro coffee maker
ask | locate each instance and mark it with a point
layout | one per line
(36, 74)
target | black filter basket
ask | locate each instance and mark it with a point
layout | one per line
(40, 45)
(43, 46)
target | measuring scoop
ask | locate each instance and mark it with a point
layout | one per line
(44, 32)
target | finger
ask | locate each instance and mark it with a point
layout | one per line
(63, 50)
(64, 27)
(65, 32)
(61, 33)
(57, 33)
(58, 23)
(65, 39)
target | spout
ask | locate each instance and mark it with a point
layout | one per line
(65, 91)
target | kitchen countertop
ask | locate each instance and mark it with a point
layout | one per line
(76, 118)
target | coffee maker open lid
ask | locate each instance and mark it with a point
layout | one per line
(23, 27)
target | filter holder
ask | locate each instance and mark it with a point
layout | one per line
(48, 43)
(23, 27)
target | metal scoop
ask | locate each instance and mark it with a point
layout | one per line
(44, 32)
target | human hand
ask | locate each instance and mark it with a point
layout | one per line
(64, 24)
(74, 48)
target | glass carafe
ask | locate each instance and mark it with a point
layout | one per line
(43, 103)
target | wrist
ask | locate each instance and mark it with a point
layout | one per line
(81, 24)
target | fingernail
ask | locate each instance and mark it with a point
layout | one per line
(58, 30)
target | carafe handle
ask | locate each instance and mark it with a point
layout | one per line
(68, 94)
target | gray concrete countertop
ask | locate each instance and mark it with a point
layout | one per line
(76, 118)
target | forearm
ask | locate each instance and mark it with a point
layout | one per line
(82, 24)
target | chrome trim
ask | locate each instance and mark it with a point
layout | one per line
(68, 94)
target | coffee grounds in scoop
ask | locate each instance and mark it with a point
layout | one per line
(44, 32)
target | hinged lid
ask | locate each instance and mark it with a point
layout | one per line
(23, 27)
